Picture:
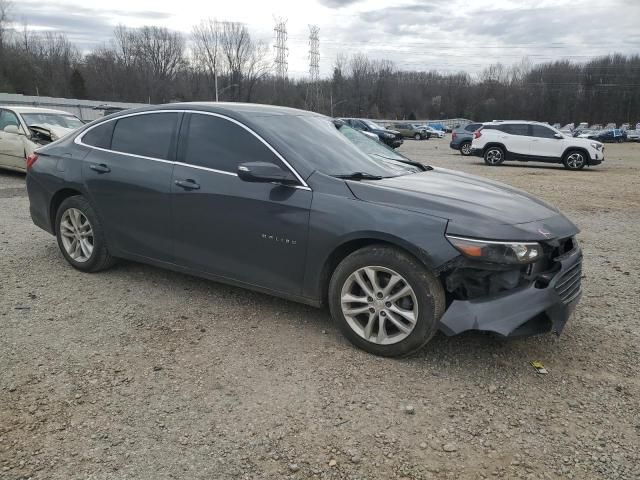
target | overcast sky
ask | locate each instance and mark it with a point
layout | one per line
(445, 35)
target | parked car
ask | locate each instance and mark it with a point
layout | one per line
(234, 193)
(589, 134)
(23, 129)
(433, 132)
(625, 126)
(408, 130)
(611, 135)
(610, 126)
(393, 138)
(633, 135)
(461, 138)
(533, 141)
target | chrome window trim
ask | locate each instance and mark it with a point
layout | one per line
(78, 141)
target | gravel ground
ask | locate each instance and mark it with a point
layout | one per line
(140, 373)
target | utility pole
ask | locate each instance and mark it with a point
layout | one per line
(281, 50)
(313, 91)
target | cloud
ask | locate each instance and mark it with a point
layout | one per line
(337, 3)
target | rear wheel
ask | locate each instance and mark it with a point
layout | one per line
(385, 302)
(494, 156)
(574, 160)
(465, 149)
(417, 136)
(80, 236)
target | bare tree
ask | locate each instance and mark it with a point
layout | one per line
(206, 38)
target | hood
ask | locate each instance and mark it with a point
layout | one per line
(53, 131)
(385, 130)
(473, 205)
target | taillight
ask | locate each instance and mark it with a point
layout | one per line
(477, 134)
(453, 135)
(31, 159)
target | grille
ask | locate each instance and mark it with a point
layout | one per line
(568, 284)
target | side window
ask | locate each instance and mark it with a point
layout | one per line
(8, 118)
(542, 132)
(149, 135)
(217, 143)
(521, 129)
(99, 136)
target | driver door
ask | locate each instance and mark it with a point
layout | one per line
(12, 152)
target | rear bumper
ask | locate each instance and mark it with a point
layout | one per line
(455, 145)
(527, 311)
(39, 201)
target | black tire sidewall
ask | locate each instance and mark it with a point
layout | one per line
(430, 304)
(99, 247)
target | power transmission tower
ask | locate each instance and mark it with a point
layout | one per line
(281, 50)
(313, 91)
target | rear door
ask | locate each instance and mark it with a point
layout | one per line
(254, 233)
(544, 143)
(12, 147)
(518, 138)
(128, 176)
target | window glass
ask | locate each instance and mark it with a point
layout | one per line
(8, 118)
(54, 119)
(472, 127)
(100, 136)
(149, 135)
(542, 132)
(214, 142)
(521, 129)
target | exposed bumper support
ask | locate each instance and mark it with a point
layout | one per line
(527, 311)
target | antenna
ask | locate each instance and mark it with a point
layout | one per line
(313, 92)
(281, 50)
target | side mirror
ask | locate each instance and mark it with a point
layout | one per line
(12, 129)
(264, 172)
(558, 136)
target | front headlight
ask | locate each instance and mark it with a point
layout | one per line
(597, 146)
(497, 252)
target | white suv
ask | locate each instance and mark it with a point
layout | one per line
(533, 141)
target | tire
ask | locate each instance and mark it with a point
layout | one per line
(494, 156)
(72, 218)
(417, 136)
(465, 149)
(574, 160)
(424, 302)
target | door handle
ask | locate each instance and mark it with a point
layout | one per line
(188, 184)
(100, 168)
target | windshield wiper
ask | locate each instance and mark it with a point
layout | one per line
(359, 176)
(421, 166)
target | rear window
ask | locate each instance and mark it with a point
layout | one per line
(472, 127)
(521, 129)
(150, 135)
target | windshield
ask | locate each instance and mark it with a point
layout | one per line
(373, 125)
(378, 151)
(52, 119)
(316, 141)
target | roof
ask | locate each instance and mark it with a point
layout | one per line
(33, 110)
(522, 122)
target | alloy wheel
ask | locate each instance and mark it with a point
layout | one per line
(575, 160)
(77, 235)
(466, 148)
(494, 156)
(379, 305)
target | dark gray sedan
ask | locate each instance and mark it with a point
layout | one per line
(295, 204)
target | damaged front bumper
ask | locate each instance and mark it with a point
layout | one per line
(540, 307)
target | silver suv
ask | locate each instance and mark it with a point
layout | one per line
(532, 141)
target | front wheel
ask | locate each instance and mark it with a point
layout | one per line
(494, 156)
(575, 160)
(385, 302)
(80, 236)
(465, 149)
(417, 136)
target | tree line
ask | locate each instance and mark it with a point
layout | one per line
(220, 60)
